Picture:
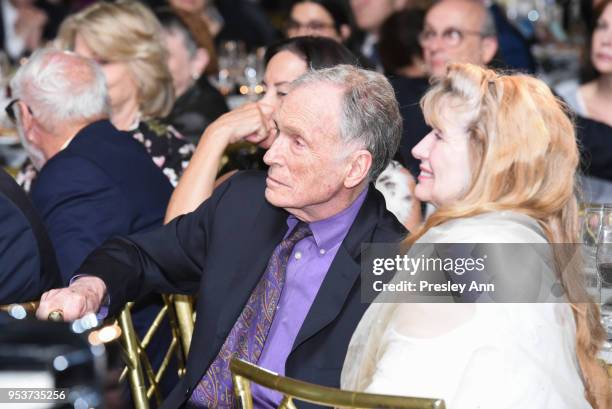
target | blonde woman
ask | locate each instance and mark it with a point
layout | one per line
(126, 40)
(500, 166)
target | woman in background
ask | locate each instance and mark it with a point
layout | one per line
(126, 40)
(593, 100)
(198, 102)
(325, 18)
(499, 165)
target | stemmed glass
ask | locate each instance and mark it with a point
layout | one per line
(593, 218)
(604, 270)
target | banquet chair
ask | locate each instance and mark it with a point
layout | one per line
(243, 373)
(143, 380)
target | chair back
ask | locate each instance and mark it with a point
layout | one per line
(243, 373)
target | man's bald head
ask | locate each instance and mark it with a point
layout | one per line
(457, 31)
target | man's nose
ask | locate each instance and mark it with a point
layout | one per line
(273, 154)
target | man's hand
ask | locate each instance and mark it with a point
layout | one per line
(84, 296)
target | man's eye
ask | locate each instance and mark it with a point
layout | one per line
(452, 34)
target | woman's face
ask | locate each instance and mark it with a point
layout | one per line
(283, 68)
(445, 163)
(311, 19)
(601, 42)
(122, 88)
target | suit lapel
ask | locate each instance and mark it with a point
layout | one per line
(343, 273)
(270, 226)
(270, 230)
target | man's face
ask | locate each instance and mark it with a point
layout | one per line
(451, 34)
(308, 162)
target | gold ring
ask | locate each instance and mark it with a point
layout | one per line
(57, 316)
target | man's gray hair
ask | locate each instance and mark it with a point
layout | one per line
(61, 87)
(370, 113)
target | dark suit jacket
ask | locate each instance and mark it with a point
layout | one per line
(27, 260)
(595, 143)
(222, 250)
(102, 184)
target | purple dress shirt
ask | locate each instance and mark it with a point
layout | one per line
(307, 267)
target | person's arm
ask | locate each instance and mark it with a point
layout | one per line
(249, 122)
(170, 259)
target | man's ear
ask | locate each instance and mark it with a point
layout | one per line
(26, 119)
(359, 168)
(199, 62)
(488, 49)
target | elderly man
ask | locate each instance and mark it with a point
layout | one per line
(95, 181)
(274, 258)
(454, 31)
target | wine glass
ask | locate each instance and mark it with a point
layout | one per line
(604, 269)
(594, 216)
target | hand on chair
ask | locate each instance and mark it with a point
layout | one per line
(82, 297)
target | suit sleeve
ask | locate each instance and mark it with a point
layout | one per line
(170, 259)
(73, 198)
(19, 256)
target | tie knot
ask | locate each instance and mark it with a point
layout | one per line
(300, 231)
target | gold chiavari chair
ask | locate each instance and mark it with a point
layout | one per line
(243, 373)
(144, 381)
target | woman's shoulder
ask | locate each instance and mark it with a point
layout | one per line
(490, 227)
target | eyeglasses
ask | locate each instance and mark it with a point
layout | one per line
(293, 25)
(451, 37)
(10, 111)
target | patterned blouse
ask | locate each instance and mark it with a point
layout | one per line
(166, 145)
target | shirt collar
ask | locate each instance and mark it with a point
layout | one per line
(330, 232)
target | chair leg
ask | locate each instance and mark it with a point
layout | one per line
(184, 315)
(135, 373)
(242, 389)
(287, 403)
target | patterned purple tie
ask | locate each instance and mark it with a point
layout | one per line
(248, 335)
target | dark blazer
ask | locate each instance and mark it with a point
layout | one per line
(27, 260)
(595, 143)
(102, 184)
(220, 251)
